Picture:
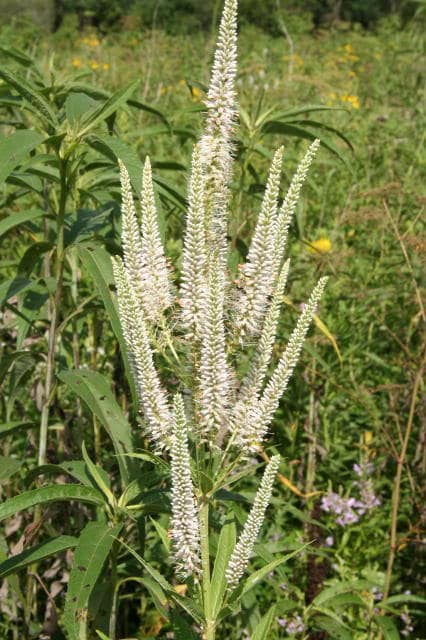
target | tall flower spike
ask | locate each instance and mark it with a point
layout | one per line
(151, 393)
(263, 411)
(194, 264)
(216, 148)
(221, 95)
(185, 532)
(289, 205)
(244, 548)
(130, 235)
(214, 373)
(158, 290)
(258, 272)
(254, 379)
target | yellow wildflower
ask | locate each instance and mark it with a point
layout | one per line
(105, 66)
(352, 100)
(368, 437)
(94, 65)
(76, 62)
(322, 245)
(90, 41)
(196, 94)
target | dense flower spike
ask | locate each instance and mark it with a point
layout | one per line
(152, 396)
(244, 547)
(221, 95)
(194, 260)
(130, 235)
(254, 379)
(255, 415)
(268, 403)
(185, 531)
(214, 374)
(258, 272)
(157, 279)
(289, 205)
(215, 144)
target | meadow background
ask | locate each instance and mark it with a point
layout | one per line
(356, 398)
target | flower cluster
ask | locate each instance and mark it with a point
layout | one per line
(244, 547)
(344, 508)
(227, 411)
(349, 509)
(408, 627)
(292, 625)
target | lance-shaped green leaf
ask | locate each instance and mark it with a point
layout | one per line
(52, 493)
(8, 466)
(97, 262)
(12, 287)
(30, 94)
(226, 544)
(96, 392)
(326, 595)
(49, 547)
(188, 605)
(90, 554)
(387, 627)
(115, 149)
(98, 477)
(76, 468)
(263, 628)
(16, 425)
(108, 108)
(15, 219)
(286, 128)
(15, 148)
(260, 574)
(336, 629)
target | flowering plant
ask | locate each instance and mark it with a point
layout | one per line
(216, 418)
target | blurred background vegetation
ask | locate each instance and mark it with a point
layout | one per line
(177, 16)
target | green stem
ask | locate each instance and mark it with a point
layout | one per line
(396, 493)
(210, 627)
(113, 615)
(54, 320)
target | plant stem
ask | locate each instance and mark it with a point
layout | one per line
(397, 482)
(210, 628)
(51, 350)
(113, 615)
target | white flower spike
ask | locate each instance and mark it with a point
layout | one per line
(185, 532)
(244, 548)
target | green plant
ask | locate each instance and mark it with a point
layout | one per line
(350, 405)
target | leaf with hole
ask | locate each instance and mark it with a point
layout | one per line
(97, 262)
(96, 392)
(90, 554)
